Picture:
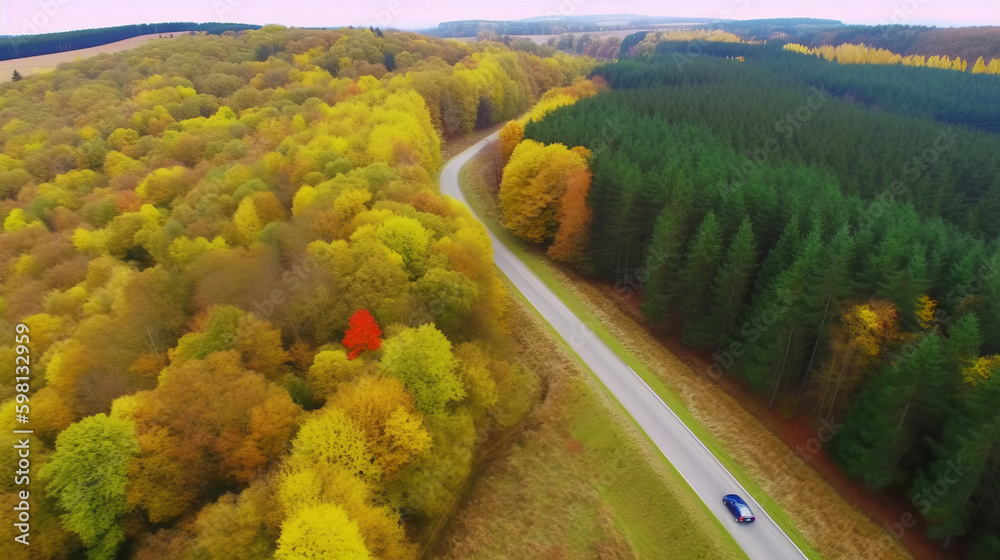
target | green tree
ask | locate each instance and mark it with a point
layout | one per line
(957, 489)
(665, 251)
(408, 238)
(16, 77)
(729, 288)
(88, 474)
(879, 428)
(700, 266)
(422, 359)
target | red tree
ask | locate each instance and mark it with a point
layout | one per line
(362, 335)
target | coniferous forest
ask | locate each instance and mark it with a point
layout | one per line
(827, 233)
(255, 329)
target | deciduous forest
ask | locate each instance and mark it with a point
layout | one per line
(253, 320)
(827, 233)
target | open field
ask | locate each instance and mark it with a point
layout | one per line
(788, 486)
(32, 64)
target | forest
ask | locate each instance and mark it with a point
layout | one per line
(828, 234)
(256, 329)
(968, 43)
(21, 46)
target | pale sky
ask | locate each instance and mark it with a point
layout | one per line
(41, 16)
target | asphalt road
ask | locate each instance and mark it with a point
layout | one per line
(760, 540)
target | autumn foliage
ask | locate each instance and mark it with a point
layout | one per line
(188, 228)
(533, 187)
(574, 217)
(847, 53)
(362, 335)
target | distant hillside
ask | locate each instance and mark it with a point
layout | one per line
(969, 43)
(767, 28)
(21, 46)
(555, 25)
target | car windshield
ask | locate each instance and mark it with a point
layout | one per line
(744, 510)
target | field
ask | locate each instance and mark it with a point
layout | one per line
(32, 64)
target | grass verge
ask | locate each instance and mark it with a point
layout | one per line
(579, 480)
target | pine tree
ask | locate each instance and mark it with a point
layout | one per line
(701, 263)
(662, 285)
(880, 427)
(782, 255)
(16, 77)
(782, 322)
(729, 289)
(958, 489)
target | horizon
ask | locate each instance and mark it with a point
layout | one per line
(53, 16)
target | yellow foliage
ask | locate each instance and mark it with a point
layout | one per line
(350, 203)
(872, 326)
(715, 35)
(533, 184)
(510, 136)
(247, 220)
(847, 53)
(330, 437)
(15, 220)
(983, 370)
(320, 533)
(925, 311)
(388, 416)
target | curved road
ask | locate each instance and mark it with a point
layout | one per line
(760, 540)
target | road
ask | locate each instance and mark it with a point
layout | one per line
(760, 540)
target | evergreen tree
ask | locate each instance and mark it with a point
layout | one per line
(729, 289)
(16, 77)
(662, 286)
(958, 489)
(781, 256)
(878, 429)
(704, 255)
(783, 320)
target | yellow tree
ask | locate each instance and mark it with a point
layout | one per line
(873, 326)
(510, 136)
(388, 416)
(328, 370)
(982, 370)
(321, 533)
(574, 217)
(925, 311)
(330, 437)
(533, 184)
(979, 67)
(247, 219)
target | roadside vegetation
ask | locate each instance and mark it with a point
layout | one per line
(797, 496)
(860, 290)
(576, 479)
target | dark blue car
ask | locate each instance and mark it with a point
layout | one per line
(739, 508)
